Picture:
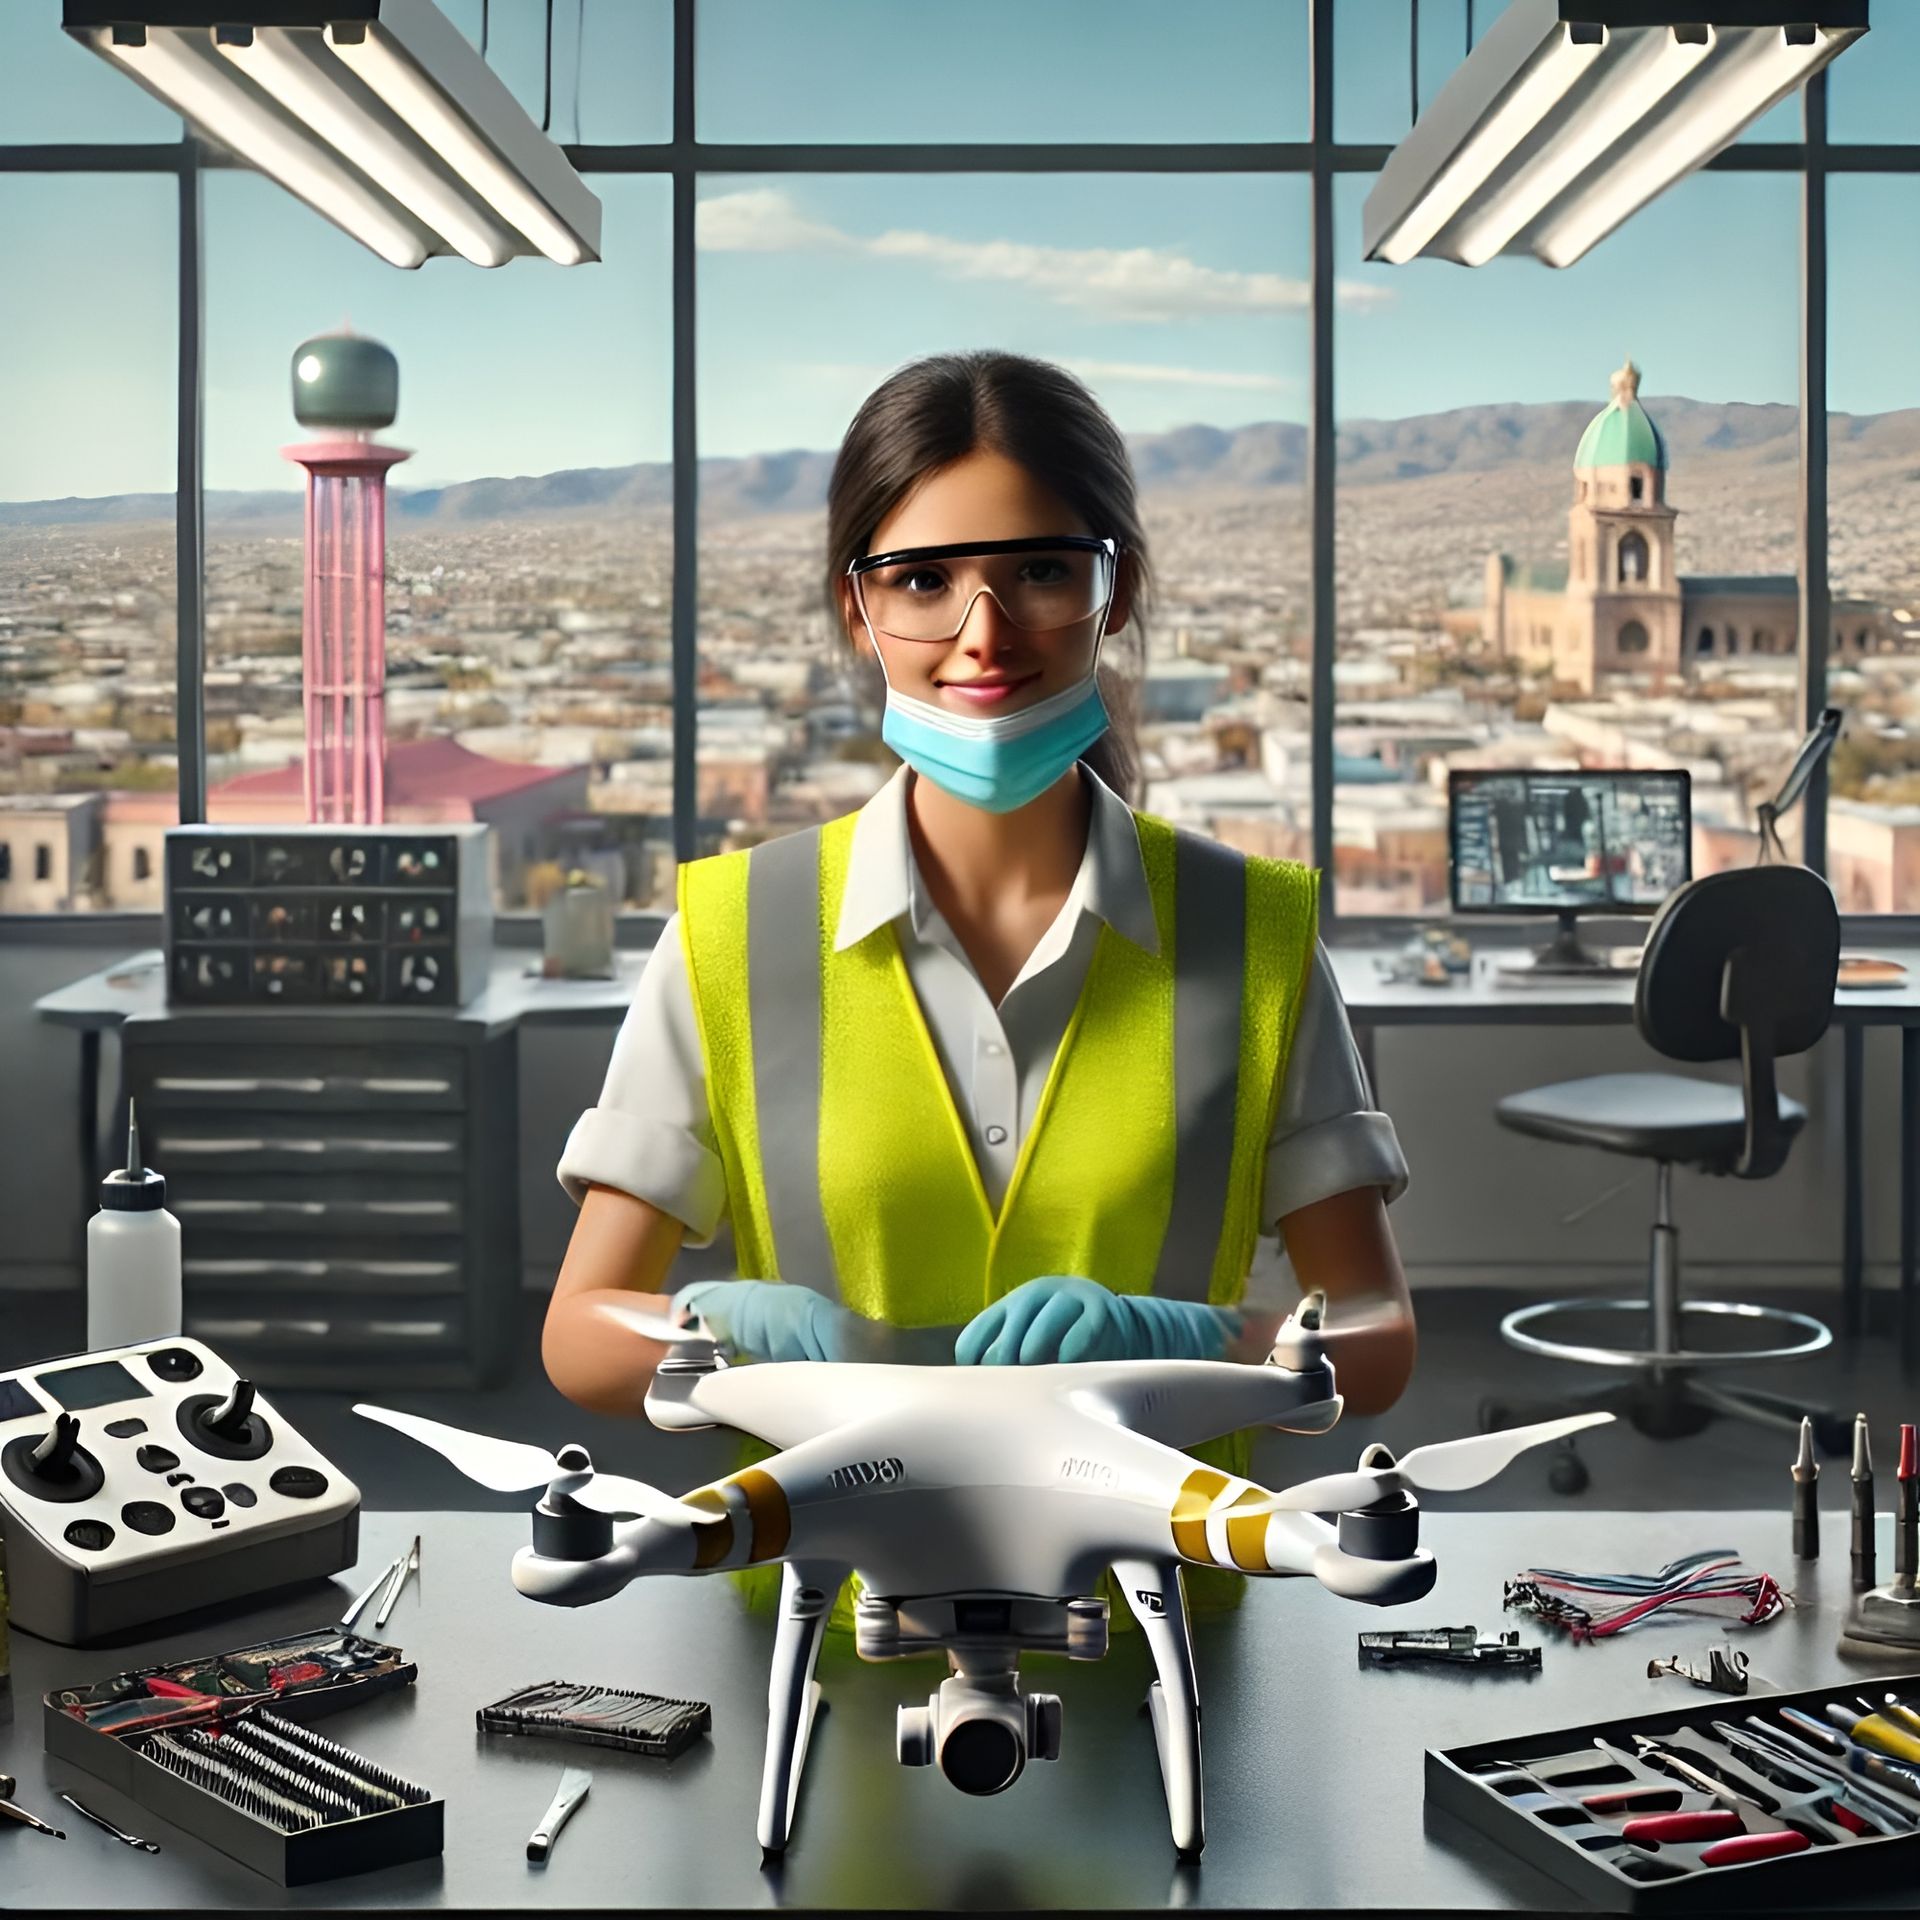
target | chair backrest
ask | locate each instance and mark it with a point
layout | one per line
(1741, 966)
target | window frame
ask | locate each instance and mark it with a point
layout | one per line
(687, 160)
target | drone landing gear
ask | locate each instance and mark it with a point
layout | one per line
(1158, 1603)
(807, 1589)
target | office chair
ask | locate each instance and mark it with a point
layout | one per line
(1738, 965)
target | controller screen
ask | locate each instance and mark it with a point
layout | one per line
(16, 1400)
(75, 1387)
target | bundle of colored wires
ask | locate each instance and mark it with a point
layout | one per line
(1590, 1606)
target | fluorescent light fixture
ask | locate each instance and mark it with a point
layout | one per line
(1571, 114)
(378, 113)
(1540, 89)
(1622, 96)
(287, 64)
(181, 69)
(1766, 66)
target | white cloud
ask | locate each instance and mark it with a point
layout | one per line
(1119, 283)
(1145, 373)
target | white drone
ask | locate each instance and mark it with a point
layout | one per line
(980, 1506)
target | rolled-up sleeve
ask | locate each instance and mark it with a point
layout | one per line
(651, 1135)
(1327, 1137)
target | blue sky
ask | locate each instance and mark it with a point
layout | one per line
(1178, 298)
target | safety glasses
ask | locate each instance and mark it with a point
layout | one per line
(926, 593)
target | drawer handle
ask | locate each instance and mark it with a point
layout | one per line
(408, 1329)
(437, 1207)
(401, 1086)
(174, 1084)
(178, 1146)
(406, 1269)
(253, 1329)
(315, 1269)
(371, 1144)
(250, 1206)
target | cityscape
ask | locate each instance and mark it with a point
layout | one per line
(536, 642)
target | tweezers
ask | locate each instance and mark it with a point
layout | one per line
(354, 1612)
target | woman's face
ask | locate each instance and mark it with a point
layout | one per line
(991, 666)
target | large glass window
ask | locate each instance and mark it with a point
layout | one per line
(1546, 560)
(1002, 70)
(86, 529)
(1179, 300)
(528, 532)
(1873, 438)
(53, 88)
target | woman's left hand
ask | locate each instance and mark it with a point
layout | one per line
(1063, 1317)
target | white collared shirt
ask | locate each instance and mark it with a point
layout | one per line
(652, 1135)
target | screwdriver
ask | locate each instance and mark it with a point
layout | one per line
(1876, 1731)
(8, 1811)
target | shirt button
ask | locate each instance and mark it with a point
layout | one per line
(996, 1136)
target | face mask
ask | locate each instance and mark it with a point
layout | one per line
(998, 761)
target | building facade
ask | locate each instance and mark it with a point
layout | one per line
(1620, 606)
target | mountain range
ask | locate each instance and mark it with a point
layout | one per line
(1706, 437)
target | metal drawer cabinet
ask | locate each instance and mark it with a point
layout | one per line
(347, 1185)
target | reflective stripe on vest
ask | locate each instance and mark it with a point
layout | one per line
(848, 1167)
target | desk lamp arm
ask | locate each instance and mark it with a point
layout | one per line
(1813, 750)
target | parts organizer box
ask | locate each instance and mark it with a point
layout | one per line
(143, 1481)
(1550, 1837)
(244, 1816)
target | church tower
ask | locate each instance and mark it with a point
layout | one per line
(1622, 612)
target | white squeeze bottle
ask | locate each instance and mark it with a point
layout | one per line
(133, 1256)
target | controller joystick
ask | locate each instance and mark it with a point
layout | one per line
(226, 1426)
(53, 1465)
(229, 1418)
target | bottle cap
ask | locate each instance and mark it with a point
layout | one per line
(133, 1188)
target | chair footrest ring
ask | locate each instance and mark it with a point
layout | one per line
(1514, 1330)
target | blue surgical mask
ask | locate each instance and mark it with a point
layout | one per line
(997, 761)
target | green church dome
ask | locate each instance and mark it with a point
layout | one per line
(1622, 433)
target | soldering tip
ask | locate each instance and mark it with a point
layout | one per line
(1862, 1449)
(1805, 1466)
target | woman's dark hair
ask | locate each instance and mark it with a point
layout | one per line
(940, 409)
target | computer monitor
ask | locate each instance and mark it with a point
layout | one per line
(1568, 843)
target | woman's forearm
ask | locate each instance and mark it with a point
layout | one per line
(620, 1253)
(1343, 1247)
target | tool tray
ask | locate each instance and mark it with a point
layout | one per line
(296, 1678)
(1541, 1835)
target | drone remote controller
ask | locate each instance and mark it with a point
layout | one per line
(142, 1481)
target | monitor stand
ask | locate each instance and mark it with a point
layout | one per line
(1564, 953)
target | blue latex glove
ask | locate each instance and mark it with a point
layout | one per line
(769, 1319)
(1062, 1317)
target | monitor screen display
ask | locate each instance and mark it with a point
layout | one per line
(1568, 842)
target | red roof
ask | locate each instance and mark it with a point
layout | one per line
(434, 779)
(419, 773)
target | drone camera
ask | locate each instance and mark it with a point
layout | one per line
(980, 1731)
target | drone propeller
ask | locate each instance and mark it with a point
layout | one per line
(1448, 1466)
(514, 1466)
(656, 1326)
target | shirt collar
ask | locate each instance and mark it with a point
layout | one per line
(1111, 883)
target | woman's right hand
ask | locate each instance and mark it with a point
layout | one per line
(769, 1319)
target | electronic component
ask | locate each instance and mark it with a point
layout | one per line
(1461, 1646)
(601, 1716)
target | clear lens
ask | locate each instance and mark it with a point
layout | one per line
(1038, 590)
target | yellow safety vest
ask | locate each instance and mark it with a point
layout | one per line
(848, 1166)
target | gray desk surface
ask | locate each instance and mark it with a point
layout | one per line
(136, 986)
(1477, 998)
(1314, 1767)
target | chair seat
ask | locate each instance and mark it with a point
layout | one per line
(1657, 1116)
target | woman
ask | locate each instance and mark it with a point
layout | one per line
(994, 1061)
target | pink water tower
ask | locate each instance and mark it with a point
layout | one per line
(346, 387)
